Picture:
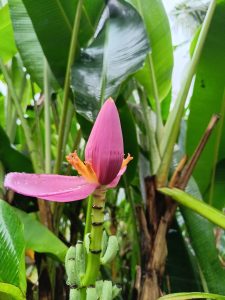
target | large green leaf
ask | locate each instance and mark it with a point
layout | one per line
(208, 98)
(203, 241)
(53, 22)
(7, 43)
(13, 160)
(26, 41)
(158, 30)
(118, 50)
(39, 238)
(12, 247)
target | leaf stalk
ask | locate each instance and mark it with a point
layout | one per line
(72, 52)
(47, 103)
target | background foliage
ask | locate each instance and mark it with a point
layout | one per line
(59, 62)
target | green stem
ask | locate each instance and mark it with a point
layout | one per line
(154, 159)
(47, 104)
(26, 128)
(97, 219)
(159, 124)
(83, 294)
(36, 127)
(69, 118)
(104, 68)
(198, 206)
(173, 124)
(8, 111)
(88, 216)
(74, 147)
(55, 114)
(136, 239)
(72, 50)
(11, 125)
(11, 113)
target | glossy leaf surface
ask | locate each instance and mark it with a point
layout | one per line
(118, 50)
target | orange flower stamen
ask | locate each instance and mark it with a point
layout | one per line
(30, 253)
(84, 169)
(126, 161)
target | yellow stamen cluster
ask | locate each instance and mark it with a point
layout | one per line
(126, 161)
(84, 169)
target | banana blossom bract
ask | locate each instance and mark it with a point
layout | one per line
(104, 164)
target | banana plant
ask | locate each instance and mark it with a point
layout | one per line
(86, 88)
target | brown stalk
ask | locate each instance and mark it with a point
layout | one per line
(183, 172)
(158, 218)
(45, 214)
(188, 170)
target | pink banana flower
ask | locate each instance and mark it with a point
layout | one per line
(103, 166)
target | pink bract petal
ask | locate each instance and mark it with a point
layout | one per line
(116, 179)
(105, 145)
(50, 187)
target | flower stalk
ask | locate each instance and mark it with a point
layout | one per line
(87, 228)
(95, 249)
